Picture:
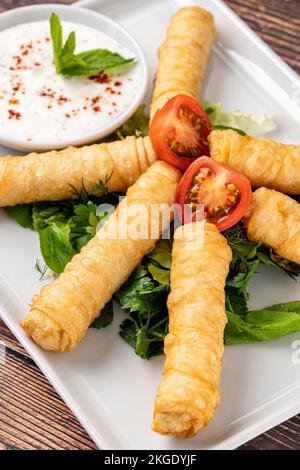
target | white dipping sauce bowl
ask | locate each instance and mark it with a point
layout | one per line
(98, 22)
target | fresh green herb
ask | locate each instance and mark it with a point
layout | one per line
(106, 317)
(86, 63)
(83, 224)
(238, 121)
(292, 269)
(57, 40)
(137, 125)
(145, 300)
(225, 128)
(159, 274)
(22, 214)
(235, 301)
(65, 227)
(161, 255)
(246, 257)
(100, 188)
(144, 296)
(55, 245)
(140, 293)
(159, 262)
(244, 260)
(263, 325)
(43, 270)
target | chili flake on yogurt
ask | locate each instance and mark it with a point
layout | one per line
(37, 103)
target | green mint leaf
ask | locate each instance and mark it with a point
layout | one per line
(57, 39)
(100, 60)
(74, 66)
(68, 49)
(86, 63)
(79, 67)
(105, 318)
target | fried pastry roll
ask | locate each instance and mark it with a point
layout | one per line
(61, 314)
(263, 161)
(274, 220)
(53, 176)
(188, 394)
(183, 56)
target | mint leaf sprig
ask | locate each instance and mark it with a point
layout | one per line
(86, 63)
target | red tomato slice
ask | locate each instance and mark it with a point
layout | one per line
(224, 193)
(179, 131)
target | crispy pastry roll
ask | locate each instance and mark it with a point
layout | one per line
(182, 58)
(274, 220)
(263, 161)
(188, 394)
(52, 176)
(61, 314)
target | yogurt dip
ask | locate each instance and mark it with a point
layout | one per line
(39, 105)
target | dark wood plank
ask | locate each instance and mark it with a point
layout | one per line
(32, 416)
(275, 21)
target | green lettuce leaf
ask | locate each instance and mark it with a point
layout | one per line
(64, 227)
(22, 214)
(241, 122)
(264, 324)
(55, 246)
(162, 254)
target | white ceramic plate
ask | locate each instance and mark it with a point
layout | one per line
(96, 21)
(110, 389)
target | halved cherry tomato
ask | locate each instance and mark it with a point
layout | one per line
(179, 131)
(224, 193)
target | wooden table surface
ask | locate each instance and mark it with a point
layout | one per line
(32, 415)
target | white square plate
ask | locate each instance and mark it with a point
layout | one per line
(110, 389)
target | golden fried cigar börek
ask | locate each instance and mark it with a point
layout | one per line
(61, 314)
(274, 220)
(188, 394)
(263, 161)
(53, 176)
(183, 56)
